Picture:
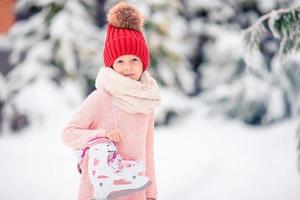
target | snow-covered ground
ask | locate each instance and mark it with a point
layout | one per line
(199, 157)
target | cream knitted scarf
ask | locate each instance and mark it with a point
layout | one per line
(131, 95)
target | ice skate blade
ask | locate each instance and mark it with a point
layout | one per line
(116, 194)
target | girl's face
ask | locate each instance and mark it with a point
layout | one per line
(129, 66)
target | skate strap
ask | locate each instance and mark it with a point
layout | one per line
(98, 140)
(94, 142)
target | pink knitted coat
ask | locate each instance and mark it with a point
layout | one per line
(94, 118)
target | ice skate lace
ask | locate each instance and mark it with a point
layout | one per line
(118, 164)
(116, 160)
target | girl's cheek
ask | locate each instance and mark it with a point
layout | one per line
(117, 68)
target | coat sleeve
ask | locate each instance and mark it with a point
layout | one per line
(80, 130)
(151, 191)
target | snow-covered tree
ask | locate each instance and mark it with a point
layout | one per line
(284, 25)
(56, 47)
(171, 44)
(267, 91)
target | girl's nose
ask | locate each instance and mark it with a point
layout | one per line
(127, 66)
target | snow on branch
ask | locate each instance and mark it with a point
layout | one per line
(284, 25)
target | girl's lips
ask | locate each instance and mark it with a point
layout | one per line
(128, 74)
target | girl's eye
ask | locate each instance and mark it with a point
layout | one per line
(135, 59)
(120, 61)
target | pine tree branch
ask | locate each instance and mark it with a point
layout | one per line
(283, 25)
(267, 16)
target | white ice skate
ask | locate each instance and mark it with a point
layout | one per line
(110, 175)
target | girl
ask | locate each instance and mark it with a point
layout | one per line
(122, 106)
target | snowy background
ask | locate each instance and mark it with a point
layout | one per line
(224, 131)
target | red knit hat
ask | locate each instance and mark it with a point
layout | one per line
(124, 35)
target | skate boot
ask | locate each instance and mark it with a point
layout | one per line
(110, 175)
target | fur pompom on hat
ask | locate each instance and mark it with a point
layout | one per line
(124, 35)
(123, 15)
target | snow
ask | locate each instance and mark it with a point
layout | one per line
(226, 160)
(266, 5)
(276, 106)
(33, 30)
(271, 22)
(3, 93)
(203, 4)
(79, 39)
(198, 157)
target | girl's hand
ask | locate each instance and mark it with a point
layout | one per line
(113, 135)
